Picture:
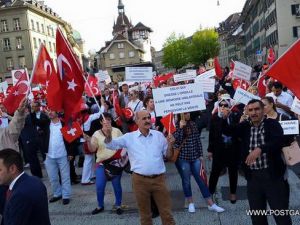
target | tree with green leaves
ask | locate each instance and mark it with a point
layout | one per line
(204, 45)
(175, 52)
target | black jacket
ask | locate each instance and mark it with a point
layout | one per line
(273, 145)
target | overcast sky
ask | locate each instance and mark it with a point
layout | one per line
(94, 18)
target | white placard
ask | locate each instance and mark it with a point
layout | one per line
(290, 127)
(178, 99)
(208, 85)
(296, 106)
(206, 75)
(102, 75)
(16, 74)
(3, 86)
(184, 76)
(243, 96)
(192, 72)
(138, 74)
(242, 71)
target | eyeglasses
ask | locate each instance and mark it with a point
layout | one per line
(146, 117)
(224, 105)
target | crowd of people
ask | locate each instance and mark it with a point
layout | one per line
(121, 132)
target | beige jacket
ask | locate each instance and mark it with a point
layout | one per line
(9, 135)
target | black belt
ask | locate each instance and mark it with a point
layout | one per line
(149, 176)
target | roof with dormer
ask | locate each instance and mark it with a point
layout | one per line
(141, 26)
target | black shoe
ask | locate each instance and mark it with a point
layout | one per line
(54, 199)
(66, 201)
(155, 214)
(75, 182)
(97, 210)
(119, 211)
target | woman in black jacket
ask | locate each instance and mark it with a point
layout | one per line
(223, 147)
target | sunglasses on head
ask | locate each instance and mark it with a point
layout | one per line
(224, 105)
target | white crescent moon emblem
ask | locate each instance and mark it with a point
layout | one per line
(60, 59)
(27, 85)
(95, 90)
(47, 65)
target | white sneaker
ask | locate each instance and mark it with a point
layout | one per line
(192, 208)
(215, 208)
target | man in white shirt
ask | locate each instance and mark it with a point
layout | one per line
(57, 161)
(146, 149)
(283, 100)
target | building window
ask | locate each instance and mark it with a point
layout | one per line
(44, 41)
(50, 46)
(4, 25)
(111, 56)
(120, 45)
(296, 32)
(7, 46)
(131, 54)
(54, 47)
(9, 63)
(43, 29)
(48, 30)
(32, 25)
(52, 31)
(121, 55)
(34, 43)
(19, 43)
(22, 63)
(17, 24)
(37, 26)
(296, 10)
(40, 42)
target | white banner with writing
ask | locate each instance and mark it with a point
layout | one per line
(3, 86)
(208, 85)
(178, 99)
(290, 127)
(184, 76)
(243, 96)
(207, 74)
(242, 71)
(138, 74)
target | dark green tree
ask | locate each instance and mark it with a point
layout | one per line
(204, 45)
(175, 52)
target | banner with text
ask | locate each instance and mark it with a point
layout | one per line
(290, 127)
(243, 96)
(138, 74)
(189, 75)
(178, 99)
(208, 85)
(3, 86)
(242, 71)
(206, 75)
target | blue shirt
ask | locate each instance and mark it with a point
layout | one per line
(145, 153)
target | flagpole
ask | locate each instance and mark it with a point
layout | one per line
(91, 92)
(169, 129)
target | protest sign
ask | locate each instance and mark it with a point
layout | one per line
(206, 75)
(3, 86)
(184, 76)
(243, 96)
(290, 127)
(208, 85)
(178, 99)
(138, 74)
(242, 71)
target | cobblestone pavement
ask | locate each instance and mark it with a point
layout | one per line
(78, 212)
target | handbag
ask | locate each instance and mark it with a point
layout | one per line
(176, 152)
(291, 153)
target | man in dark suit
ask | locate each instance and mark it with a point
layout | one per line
(26, 198)
(33, 137)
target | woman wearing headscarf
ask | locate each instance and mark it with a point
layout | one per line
(223, 147)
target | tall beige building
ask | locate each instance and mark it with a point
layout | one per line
(130, 46)
(24, 25)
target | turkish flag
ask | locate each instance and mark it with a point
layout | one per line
(91, 86)
(161, 78)
(117, 106)
(286, 69)
(262, 86)
(71, 75)
(218, 68)
(169, 123)
(70, 133)
(203, 175)
(2, 97)
(240, 83)
(18, 92)
(271, 56)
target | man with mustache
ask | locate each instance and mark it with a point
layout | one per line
(146, 149)
(261, 144)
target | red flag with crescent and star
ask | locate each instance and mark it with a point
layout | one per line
(71, 75)
(45, 74)
(18, 92)
(93, 89)
(169, 123)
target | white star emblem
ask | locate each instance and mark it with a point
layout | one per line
(16, 93)
(72, 85)
(72, 131)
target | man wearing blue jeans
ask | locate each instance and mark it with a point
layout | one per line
(57, 161)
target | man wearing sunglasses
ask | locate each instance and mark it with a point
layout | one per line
(146, 149)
